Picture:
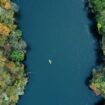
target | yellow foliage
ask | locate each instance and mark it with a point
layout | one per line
(2, 61)
(4, 30)
(5, 4)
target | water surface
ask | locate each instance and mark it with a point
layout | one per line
(57, 30)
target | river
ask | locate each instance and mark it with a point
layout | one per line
(62, 52)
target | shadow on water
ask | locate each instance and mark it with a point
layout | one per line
(18, 16)
(101, 102)
(96, 35)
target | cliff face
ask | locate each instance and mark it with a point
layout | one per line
(97, 84)
(12, 52)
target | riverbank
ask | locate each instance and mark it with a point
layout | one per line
(13, 78)
(57, 30)
(97, 82)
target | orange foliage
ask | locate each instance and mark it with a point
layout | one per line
(94, 88)
(7, 5)
(4, 30)
(11, 65)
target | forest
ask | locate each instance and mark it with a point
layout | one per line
(13, 77)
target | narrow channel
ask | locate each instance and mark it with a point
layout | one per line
(62, 52)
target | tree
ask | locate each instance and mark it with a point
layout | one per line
(15, 35)
(4, 30)
(18, 45)
(17, 55)
(3, 40)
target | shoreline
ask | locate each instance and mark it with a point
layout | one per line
(96, 14)
(13, 49)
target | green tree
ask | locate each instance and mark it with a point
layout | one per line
(17, 55)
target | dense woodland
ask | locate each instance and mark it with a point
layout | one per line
(97, 82)
(12, 54)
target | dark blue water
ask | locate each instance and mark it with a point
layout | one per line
(57, 30)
